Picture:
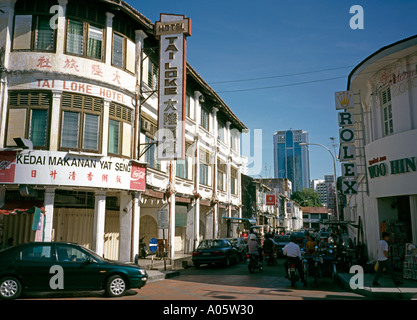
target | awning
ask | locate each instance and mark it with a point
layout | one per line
(253, 221)
(21, 206)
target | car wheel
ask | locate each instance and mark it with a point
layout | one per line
(116, 286)
(10, 288)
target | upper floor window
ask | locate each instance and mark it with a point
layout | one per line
(85, 30)
(221, 131)
(123, 45)
(205, 119)
(152, 75)
(233, 180)
(188, 105)
(120, 130)
(221, 175)
(32, 30)
(28, 117)
(84, 39)
(387, 112)
(80, 122)
(204, 167)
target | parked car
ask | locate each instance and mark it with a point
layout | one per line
(56, 266)
(216, 251)
(281, 241)
(241, 244)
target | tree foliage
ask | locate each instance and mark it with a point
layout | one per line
(307, 198)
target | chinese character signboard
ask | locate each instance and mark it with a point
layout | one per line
(172, 31)
(63, 169)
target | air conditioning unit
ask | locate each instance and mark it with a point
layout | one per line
(146, 125)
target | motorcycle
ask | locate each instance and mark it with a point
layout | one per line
(292, 273)
(253, 263)
(270, 258)
(143, 252)
(313, 266)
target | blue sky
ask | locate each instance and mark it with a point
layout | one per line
(303, 50)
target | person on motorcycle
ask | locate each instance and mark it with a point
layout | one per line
(253, 246)
(269, 244)
(311, 246)
(293, 253)
(269, 248)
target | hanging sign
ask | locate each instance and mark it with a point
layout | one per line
(344, 100)
(172, 31)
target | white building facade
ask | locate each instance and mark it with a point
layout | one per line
(78, 118)
(385, 125)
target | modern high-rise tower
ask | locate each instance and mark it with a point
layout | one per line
(291, 160)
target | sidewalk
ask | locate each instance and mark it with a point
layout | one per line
(387, 289)
(157, 269)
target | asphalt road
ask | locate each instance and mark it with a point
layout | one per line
(233, 283)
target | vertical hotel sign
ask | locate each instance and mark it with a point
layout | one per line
(345, 102)
(172, 31)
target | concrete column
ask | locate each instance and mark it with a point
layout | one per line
(6, 24)
(55, 117)
(196, 222)
(171, 231)
(215, 221)
(125, 226)
(109, 38)
(189, 232)
(49, 199)
(61, 29)
(99, 222)
(136, 224)
(105, 137)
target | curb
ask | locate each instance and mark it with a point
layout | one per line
(156, 275)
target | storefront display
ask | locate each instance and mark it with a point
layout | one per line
(410, 262)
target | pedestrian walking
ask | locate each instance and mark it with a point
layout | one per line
(384, 261)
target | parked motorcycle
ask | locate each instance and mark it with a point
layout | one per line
(143, 251)
(253, 263)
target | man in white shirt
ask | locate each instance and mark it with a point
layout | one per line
(383, 260)
(293, 252)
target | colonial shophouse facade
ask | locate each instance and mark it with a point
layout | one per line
(384, 118)
(78, 119)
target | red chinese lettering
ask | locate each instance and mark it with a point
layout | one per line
(44, 62)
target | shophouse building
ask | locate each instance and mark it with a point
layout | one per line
(78, 125)
(384, 119)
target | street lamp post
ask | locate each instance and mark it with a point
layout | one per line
(334, 172)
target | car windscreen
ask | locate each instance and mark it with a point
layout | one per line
(210, 244)
(282, 239)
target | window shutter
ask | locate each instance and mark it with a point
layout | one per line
(130, 55)
(22, 32)
(14, 130)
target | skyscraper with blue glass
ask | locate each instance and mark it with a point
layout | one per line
(291, 160)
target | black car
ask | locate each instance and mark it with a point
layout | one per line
(300, 238)
(56, 266)
(216, 251)
(281, 241)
